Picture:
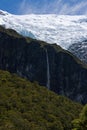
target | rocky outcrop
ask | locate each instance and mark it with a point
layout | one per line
(50, 65)
(80, 50)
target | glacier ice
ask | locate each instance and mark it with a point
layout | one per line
(63, 30)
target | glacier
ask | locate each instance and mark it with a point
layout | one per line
(64, 30)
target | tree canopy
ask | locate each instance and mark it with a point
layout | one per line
(81, 123)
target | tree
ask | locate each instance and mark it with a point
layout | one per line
(81, 123)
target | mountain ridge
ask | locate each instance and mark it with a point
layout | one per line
(45, 63)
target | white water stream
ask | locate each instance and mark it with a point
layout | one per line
(48, 71)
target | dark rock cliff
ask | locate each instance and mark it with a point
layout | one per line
(50, 65)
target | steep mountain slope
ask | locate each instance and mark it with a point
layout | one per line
(28, 106)
(50, 65)
(80, 50)
(60, 29)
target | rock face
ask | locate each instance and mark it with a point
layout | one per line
(80, 50)
(50, 65)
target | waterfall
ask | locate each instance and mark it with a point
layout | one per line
(48, 71)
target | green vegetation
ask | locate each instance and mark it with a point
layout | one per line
(81, 123)
(27, 106)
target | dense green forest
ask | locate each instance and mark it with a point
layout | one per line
(81, 122)
(28, 106)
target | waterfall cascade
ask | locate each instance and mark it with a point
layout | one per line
(48, 70)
